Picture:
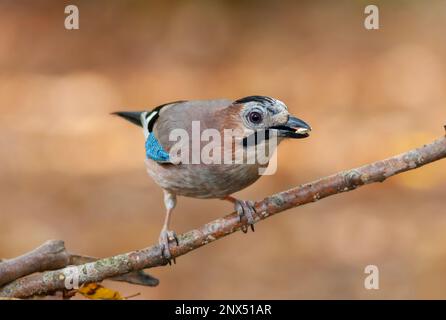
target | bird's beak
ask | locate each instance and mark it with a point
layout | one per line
(294, 128)
(133, 117)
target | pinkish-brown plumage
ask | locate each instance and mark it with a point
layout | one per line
(247, 117)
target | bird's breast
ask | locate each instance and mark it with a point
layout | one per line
(201, 180)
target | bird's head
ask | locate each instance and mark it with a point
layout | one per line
(260, 113)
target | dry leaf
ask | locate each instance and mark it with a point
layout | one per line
(98, 292)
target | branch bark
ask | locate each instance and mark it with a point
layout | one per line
(53, 255)
(49, 256)
(51, 281)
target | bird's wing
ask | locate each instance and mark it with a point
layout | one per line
(152, 116)
(180, 115)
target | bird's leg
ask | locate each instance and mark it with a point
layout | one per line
(167, 235)
(244, 208)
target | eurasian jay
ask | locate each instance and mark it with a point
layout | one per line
(257, 117)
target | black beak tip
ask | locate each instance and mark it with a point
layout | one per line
(298, 135)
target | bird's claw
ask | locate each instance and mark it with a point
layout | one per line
(245, 208)
(167, 236)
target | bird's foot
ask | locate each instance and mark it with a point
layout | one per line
(167, 236)
(245, 208)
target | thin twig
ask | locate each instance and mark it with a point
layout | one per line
(379, 171)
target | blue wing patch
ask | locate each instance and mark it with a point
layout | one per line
(155, 151)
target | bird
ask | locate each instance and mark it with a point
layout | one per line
(253, 121)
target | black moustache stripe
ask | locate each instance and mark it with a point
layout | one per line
(258, 138)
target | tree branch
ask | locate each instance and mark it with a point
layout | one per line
(49, 256)
(150, 257)
(52, 255)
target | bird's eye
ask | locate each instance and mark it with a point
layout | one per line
(255, 117)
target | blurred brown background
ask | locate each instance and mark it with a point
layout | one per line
(71, 171)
